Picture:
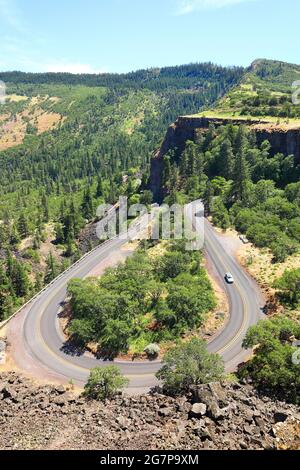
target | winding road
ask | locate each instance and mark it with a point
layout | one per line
(38, 343)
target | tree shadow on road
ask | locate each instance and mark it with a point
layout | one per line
(72, 348)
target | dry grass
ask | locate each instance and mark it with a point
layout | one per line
(267, 122)
(16, 98)
(259, 264)
(48, 121)
(12, 133)
(4, 117)
(13, 128)
(158, 250)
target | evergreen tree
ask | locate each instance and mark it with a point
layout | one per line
(241, 169)
(99, 190)
(14, 236)
(23, 226)
(87, 205)
(5, 295)
(226, 160)
(166, 171)
(20, 280)
(45, 208)
(208, 196)
(52, 269)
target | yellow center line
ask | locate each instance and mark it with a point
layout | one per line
(245, 308)
(83, 369)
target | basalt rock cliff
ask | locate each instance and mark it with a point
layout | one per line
(283, 139)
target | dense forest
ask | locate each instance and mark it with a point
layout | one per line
(156, 79)
(108, 127)
(242, 184)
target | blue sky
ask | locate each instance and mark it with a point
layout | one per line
(123, 35)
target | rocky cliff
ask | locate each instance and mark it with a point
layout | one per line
(283, 138)
(215, 416)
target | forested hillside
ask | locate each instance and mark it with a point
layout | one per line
(69, 142)
(242, 180)
(242, 184)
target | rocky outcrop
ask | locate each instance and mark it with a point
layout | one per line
(283, 138)
(214, 416)
(286, 141)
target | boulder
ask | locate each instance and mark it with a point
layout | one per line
(167, 411)
(198, 410)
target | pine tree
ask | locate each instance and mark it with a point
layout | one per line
(166, 171)
(241, 172)
(38, 282)
(45, 208)
(87, 205)
(226, 160)
(20, 280)
(14, 236)
(9, 264)
(208, 196)
(189, 158)
(52, 269)
(36, 240)
(241, 140)
(59, 233)
(5, 295)
(112, 196)
(184, 165)
(99, 191)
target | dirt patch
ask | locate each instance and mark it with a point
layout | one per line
(16, 98)
(48, 247)
(4, 117)
(48, 121)
(54, 99)
(14, 128)
(12, 133)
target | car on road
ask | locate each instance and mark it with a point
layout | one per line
(229, 278)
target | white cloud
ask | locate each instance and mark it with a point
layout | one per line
(71, 68)
(189, 6)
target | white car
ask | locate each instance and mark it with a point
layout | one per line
(229, 278)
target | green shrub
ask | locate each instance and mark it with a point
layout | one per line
(189, 364)
(272, 367)
(104, 383)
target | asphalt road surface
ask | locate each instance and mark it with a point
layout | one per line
(44, 341)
